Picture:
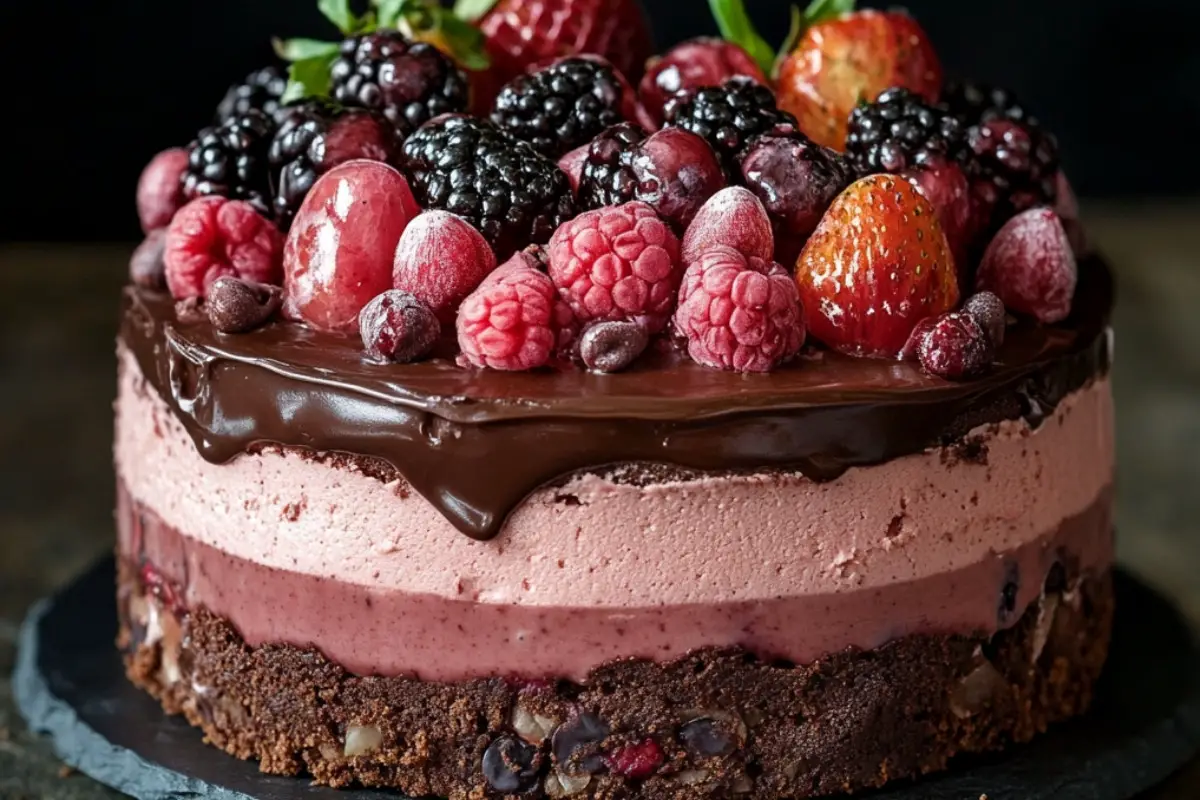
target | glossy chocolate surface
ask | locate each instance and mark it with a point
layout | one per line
(476, 443)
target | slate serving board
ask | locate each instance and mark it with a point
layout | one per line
(69, 683)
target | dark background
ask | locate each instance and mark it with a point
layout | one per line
(94, 88)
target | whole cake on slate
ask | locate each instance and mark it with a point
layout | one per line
(504, 411)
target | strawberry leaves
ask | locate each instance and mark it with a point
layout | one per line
(473, 10)
(735, 26)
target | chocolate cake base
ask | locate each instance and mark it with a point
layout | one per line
(70, 683)
(712, 724)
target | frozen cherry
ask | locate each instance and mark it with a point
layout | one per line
(396, 326)
(146, 267)
(160, 188)
(511, 765)
(676, 172)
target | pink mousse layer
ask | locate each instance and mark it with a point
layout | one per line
(291, 549)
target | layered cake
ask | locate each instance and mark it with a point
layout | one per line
(506, 412)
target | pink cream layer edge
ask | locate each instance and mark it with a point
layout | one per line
(293, 550)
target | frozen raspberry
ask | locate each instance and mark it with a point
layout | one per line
(146, 267)
(733, 217)
(1030, 266)
(508, 323)
(396, 326)
(955, 346)
(613, 345)
(160, 188)
(739, 314)
(237, 306)
(162, 588)
(987, 309)
(620, 262)
(213, 236)
(912, 348)
(635, 761)
(440, 260)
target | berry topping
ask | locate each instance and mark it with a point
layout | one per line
(1030, 266)
(612, 346)
(510, 765)
(945, 186)
(511, 193)
(974, 103)
(160, 190)
(796, 180)
(314, 137)
(692, 65)
(396, 326)
(260, 91)
(988, 310)
(955, 346)
(739, 313)
(230, 160)
(564, 105)
(899, 131)
(728, 116)
(620, 262)
(341, 246)
(213, 236)
(573, 163)
(636, 761)
(509, 322)
(877, 264)
(1015, 166)
(912, 347)
(733, 217)
(607, 177)
(163, 589)
(410, 82)
(146, 268)
(522, 33)
(576, 744)
(236, 306)
(440, 260)
(851, 58)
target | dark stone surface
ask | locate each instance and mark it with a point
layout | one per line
(58, 309)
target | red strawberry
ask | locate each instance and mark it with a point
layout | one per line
(521, 33)
(877, 265)
(840, 62)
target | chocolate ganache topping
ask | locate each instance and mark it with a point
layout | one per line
(477, 443)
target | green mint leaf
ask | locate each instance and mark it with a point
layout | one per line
(309, 77)
(735, 26)
(338, 12)
(389, 12)
(464, 41)
(821, 10)
(472, 10)
(302, 49)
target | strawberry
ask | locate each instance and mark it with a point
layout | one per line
(877, 264)
(839, 62)
(521, 33)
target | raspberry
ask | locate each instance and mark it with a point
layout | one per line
(508, 323)
(620, 262)
(739, 314)
(440, 260)
(955, 346)
(1031, 267)
(160, 188)
(733, 217)
(396, 326)
(213, 236)
(636, 761)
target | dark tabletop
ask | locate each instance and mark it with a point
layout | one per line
(57, 379)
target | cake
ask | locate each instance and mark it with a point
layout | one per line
(715, 438)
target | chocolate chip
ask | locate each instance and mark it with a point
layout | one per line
(146, 268)
(704, 737)
(575, 744)
(510, 765)
(396, 326)
(612, 346)
(236, 306)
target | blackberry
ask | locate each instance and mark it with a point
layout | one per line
(230, 160)
(607, 178)
(513, 194)
(900, 131)
(314, 137)
(728, 116)
(563, 106)
(409, 82)
(261, 91)
(974, 103)
(1015, 166)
